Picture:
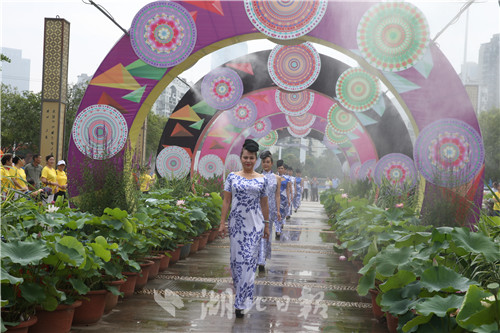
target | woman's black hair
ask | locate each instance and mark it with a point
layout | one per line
(266, 154)
(17, 158)
(6, 158)
(298, 171)
(250, 146)
(47, 158)
(280, 163)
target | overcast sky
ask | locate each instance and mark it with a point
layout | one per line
(93, 35)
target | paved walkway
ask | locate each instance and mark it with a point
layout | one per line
(305, 288)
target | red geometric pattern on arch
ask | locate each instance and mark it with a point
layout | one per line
(424, 104)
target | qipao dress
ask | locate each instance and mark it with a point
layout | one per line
(265, 244)
(283, 204)
(298, 193)
(246, 227)
(292, 193)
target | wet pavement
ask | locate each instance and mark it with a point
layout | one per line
(305, 288)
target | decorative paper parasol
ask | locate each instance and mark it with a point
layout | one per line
(393, 36)
(222, 88)
(295, 103)
(357, 90)
(340, 120)
(294, 67)
(100, 131)
(173, 162)
(210, 165)
(285, 19)
(163, 34)
(449, 152)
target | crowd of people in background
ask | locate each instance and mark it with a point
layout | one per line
(493, 204)
(43, 183)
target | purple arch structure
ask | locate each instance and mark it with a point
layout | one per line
(131, 86)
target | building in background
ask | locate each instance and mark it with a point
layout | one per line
(17, 72)
(470, 73)
(473, 92)
(83, 79)
(489, 73)
(169, 97)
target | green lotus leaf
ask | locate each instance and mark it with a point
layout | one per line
(101, 251)
(116, 212)
(79, 286)
(71, 250)
(366, 282)
(440, 306)
(398, 280)
(24, 252)
(358, 244)
(440, 234)
(389, 260)
(50, 303)
(418, 320)
(7, 278)
(444, 279)
(476, 242)
(413, 239)
(393, 302)
(476, 311)
(32, 292)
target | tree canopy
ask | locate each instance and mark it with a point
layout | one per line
(20, 119)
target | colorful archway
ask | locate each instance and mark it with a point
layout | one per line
(166, 38)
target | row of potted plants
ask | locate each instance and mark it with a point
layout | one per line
(425, 279)
(56, 257)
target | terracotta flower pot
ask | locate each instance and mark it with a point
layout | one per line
(128, 287)
(377, 310)
(213, 234)
(392, 322)
(185, 251)
(195, 245)
(165, 260)
(176, 254)
(92, 308)
(203, 241)
(142, 278)
(155, 268)
(111, 299)
(23, 326)
(57, 321)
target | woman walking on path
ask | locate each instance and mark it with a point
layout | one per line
(298, 191)
(246, 192)
(273, 196)
(292, 190)
(285, 198)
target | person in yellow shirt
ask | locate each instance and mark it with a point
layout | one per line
(7, 174)
(20, 180)
(49, 177)
(496, 205)
(145, 181)
(62, 180)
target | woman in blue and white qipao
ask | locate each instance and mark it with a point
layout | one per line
(246, 192)
(273, 195)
